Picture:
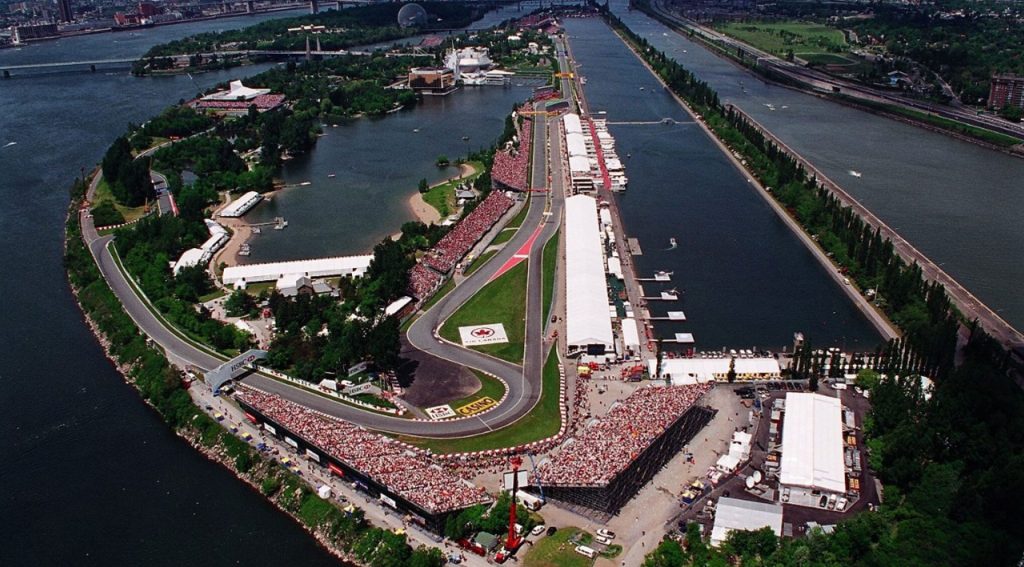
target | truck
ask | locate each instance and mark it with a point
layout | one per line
(530, 501)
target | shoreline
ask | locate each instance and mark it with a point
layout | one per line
(215, 453)
(425, 212)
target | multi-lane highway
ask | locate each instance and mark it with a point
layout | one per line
(524, 382)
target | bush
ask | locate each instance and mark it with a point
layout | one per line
(106, 214)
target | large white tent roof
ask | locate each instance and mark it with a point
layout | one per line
(734, 514)
(587, 321)
(241, 205)
(315, 268)
(812, 443)
(630, 333)
(697, 370)
(576, 145)
(237, 91)
(579, 164)
(572, 124)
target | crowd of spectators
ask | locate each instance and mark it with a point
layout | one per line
(403, 471)
(607, 446)
(423, 281)
(511, 164)
(262, 103)
(459, 240)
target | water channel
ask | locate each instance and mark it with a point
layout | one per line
(746, 279)
(960, 204)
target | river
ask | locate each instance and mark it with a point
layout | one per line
(91, 476)
(960, 204)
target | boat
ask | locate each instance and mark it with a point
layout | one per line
(415, 130)
(672, 245)
(641, 88)
(465, 138)
(305, 183)
(331, 176)
(855, 173)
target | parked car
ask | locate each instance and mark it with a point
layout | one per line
(552, 530)
(606, 533)
(537, 530)
(823, 502)
(602, 540)
(841, 504)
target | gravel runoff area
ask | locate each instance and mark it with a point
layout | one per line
(430, 381)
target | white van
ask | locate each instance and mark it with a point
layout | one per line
(586, 551)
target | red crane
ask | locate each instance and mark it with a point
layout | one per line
(513, 540)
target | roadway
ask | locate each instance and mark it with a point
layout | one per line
(523, 381)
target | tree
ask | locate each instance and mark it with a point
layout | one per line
(424, 186)
(731, 375)
(239, 303)
(442, 161)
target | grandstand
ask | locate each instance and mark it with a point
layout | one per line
(614, 457)
(387, 470)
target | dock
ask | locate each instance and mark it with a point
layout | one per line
(634, 247)
(672, 316)
(658, 277)
(681, 338)
(665, 296)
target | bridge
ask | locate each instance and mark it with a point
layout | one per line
(93, 65)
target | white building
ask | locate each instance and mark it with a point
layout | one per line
(588, 326)
(734, 514)
(351, 266)
(684, 371)
(201, 256)
(241, 205)
(236, 91)
(812, 445)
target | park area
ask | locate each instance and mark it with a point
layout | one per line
(812, 42)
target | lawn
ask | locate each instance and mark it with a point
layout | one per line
(442, 195)
(557, 550)
(103, 193)
(504, 236)
(541, 423)
(805, 39)
(480, 261)
(490, 387)
(549, 260)
(517, 220)
(501, 301)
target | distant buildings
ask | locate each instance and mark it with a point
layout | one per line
(432, 80)
(66, 14)
(1006, 90)
(21, 34)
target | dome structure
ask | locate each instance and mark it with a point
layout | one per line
(412, 15)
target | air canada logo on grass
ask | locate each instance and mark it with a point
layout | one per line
(483, 334)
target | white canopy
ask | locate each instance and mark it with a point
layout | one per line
(316, 268)
(734, 514)
(812, 443)
(576, 144)
(237, 91)
(587, 321)
(572, 124)
(630, 333)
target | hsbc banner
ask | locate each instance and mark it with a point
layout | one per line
(440, 412)
(483, 335)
